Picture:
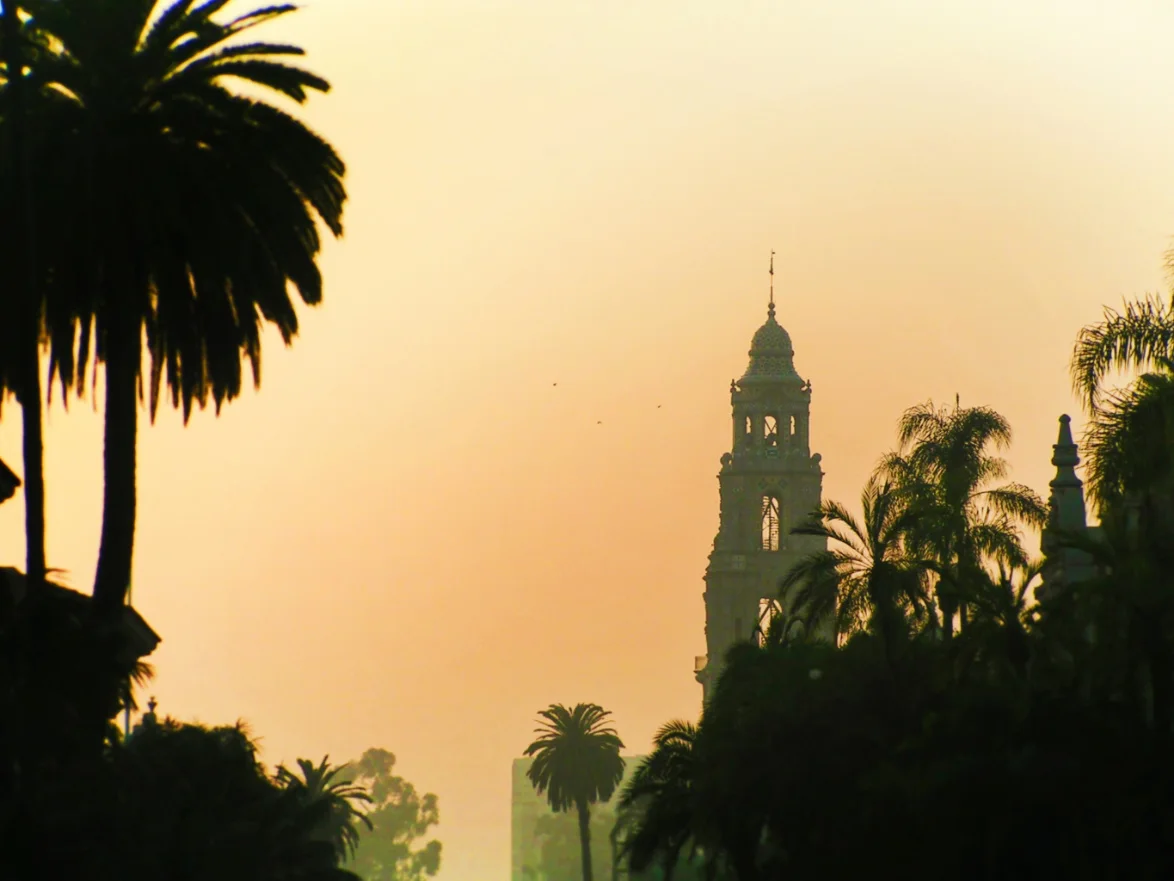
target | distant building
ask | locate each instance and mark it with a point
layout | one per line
(527, 808)
(769, 483)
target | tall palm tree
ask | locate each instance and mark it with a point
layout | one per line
(184, 211)
(21, 308)
(333, 802)
(576, 764)
(865, 579)
(944, 470)
(656, 805)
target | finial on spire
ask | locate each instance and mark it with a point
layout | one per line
(770, 310)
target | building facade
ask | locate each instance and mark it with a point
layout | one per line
(769, 483)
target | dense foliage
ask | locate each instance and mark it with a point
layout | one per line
(175, 797)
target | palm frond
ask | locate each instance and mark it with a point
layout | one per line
(1133, 338)
(1129, 441)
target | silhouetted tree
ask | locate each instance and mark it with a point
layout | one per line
(659, 801)
(1001, 614)
(576, 764)
(333, 799)
(1130, 434)
(1129, 447)
(944, 470)
(173, 800)
(866, 578)
(21, 306)
(399, 817)
(1139, 337)
(183, 213)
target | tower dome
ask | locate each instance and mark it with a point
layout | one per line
(769, 483)
(772, 357)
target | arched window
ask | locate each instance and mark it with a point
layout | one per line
(748, 428)
(792, 426)
(770, 431)
(771, 523)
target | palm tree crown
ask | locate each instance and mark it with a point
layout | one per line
(944, 470)
(576, 756)
(183, 211)
(866, 577)
(333, 802)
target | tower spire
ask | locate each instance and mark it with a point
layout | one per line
(770, 310)
(1066, 514)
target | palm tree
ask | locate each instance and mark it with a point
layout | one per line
(1002, 613)
(184, 211)
(21, 324)
(943, 470)
(576, 763)
(866, 579)
(656, 805)
(332, 801)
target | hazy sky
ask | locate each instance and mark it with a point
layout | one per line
(411, 539)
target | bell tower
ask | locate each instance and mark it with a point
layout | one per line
(769, 483)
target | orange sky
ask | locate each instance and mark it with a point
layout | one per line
(411, 539)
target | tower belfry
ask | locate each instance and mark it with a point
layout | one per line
(769, 483)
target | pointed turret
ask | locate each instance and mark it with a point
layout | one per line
(1066, 515)
(1066, 501)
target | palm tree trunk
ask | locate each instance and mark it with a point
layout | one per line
(116, 549)
(585, 838)
(33, 454)
(20, 229)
